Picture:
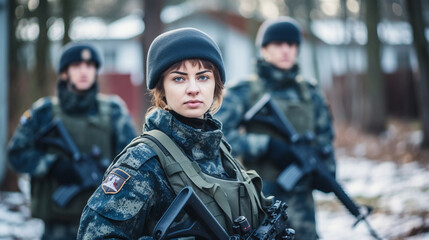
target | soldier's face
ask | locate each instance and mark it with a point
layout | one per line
(189, 90)
(280, 54)
(82, 74)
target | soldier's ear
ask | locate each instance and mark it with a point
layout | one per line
(263, 53)
(63, 76)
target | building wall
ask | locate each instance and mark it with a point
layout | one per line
(237, 48)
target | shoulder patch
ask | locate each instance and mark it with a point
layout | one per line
(115, 181)
(25, 117)
(39, 107)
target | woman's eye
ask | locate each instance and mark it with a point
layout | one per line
(178, 79)
(203, 78)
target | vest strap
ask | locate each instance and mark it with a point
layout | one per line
(249, 177)
(189, 168)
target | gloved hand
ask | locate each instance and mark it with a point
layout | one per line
(279, 153)
(64, 171)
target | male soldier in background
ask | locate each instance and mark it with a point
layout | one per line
(299, 99)
(94, 121)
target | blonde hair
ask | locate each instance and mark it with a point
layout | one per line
(158, 93)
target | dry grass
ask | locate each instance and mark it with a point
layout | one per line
(399, 143)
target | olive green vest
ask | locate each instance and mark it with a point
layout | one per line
(300, 113)
(86, 132)
(225, 199)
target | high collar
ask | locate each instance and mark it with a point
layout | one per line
(77, 104)
(198, 123)
(200, 145)
(275, 77)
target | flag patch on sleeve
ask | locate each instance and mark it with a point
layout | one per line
(115, 181)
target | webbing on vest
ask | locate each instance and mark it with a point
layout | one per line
(181, 172)
(248, 177)
(190, 169)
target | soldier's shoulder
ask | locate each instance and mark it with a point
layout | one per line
(40, 109)
(127, 183)
(124, 186)
(241, 86)
(244, 82)
(44, 103)
(136, 154)
(115, 103)
(309, 81)
(114, 100)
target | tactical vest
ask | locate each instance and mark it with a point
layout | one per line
(225, 199)
(300, 113)
(86, 132)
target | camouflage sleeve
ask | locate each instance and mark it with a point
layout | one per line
(130, 201)
(231, 114)
(23, 153)
(324, 127)
(123, 128)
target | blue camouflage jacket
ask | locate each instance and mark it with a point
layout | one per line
(281, 84)
(145, 194)
(26, 157)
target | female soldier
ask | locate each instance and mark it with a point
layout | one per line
(186, 76)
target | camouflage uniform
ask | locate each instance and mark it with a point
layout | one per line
(26, 156)
(133, 211)
(287, 86)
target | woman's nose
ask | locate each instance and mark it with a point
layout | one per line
(193, 87)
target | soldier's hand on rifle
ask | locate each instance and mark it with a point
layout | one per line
(64, 171)
(279, 153)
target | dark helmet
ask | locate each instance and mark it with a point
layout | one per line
(78, 52)
(177, 45)
(282, 29)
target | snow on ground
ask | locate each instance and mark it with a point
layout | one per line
(399, 195)
(15, 220)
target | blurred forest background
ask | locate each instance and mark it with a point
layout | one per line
(370, 58)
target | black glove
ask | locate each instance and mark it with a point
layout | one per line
(65, 172)
(320, 183)
(279, 153)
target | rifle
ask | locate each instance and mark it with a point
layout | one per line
(89, 171)
(307, 158)
(203, 225)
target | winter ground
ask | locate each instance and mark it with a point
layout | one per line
(399, 194)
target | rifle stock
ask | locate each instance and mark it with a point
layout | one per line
(203, 225)
(306, 157)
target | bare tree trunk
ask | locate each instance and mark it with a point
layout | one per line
(374, 113)
(10, 182)
(416, 19)
(42, 81)
(67, 11)
(153, 27)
